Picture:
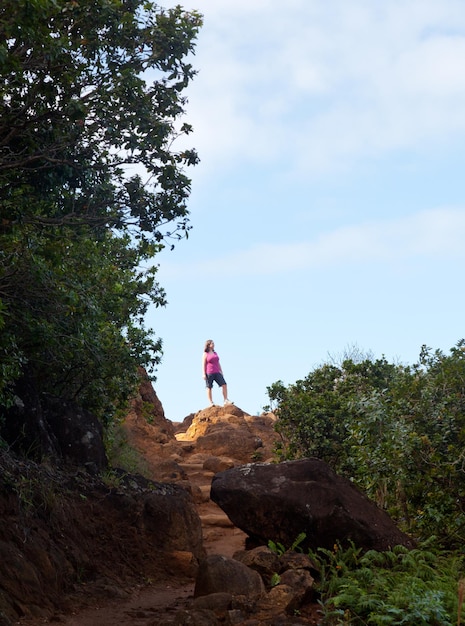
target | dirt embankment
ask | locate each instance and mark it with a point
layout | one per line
(69, 518)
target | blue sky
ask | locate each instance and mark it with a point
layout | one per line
(328, 209)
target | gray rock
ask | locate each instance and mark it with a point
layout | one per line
(279, 501)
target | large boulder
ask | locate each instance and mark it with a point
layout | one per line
(279, 501)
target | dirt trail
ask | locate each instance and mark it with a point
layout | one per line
(147, 605)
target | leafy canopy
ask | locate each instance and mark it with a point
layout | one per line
(397, 431)
(91, 188)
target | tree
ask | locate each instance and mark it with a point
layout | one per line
(396, 431)
(91, 188)
(315, 413)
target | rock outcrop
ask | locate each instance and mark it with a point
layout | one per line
(229, 431)
(278, 502)
(147, 431)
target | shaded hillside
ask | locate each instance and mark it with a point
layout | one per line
(69, 538)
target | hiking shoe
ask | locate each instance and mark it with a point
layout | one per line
(226, 402)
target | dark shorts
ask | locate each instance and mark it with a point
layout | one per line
(217, 378)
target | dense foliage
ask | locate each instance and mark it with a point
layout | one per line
(397, 431)
(91, 188)
(394, 588)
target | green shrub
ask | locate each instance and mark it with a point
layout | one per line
(121, 454)
(395, 588)
(396, 431)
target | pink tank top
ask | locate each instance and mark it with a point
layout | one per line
(213, 363)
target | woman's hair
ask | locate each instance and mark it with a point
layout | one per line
(207, 345)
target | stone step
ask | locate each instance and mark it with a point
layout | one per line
(216, 519)
(205, 489)
(199, 475)
(188, 467)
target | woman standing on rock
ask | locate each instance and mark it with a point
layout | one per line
(212, 372)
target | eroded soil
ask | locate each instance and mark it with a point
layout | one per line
(106, 603)
(103, 604)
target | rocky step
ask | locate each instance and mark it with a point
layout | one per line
(193, 467)
(200, 478)
(216, 519)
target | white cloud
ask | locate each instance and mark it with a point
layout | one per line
(325, 83)
(436, 234)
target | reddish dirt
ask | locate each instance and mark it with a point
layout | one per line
(147, 605)
(160, 599)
